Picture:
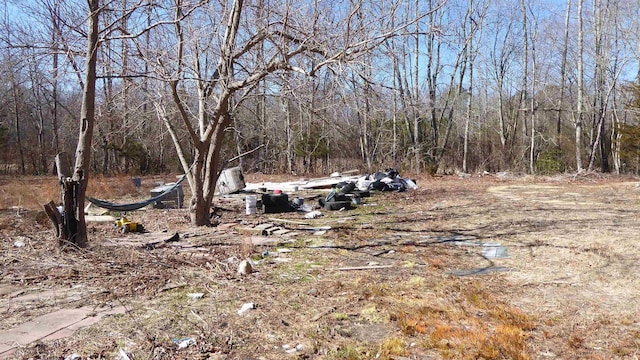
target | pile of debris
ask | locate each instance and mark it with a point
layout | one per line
(346, 192)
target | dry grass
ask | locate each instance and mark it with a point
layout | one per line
(571, 294)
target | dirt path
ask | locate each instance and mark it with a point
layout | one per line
(580, 269)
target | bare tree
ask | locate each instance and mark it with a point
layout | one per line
(580, 99)
(563, 71)
(291, 49)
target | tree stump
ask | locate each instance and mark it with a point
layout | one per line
(69, 224)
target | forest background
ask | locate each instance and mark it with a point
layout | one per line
(421, 85)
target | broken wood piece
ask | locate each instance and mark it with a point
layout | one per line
(99, 218)
(262, 240)
(271, 230)
(158, 244)
(286, 221)
(370, 267)
(259, 229)
(54, 215)
(316, 228)
(281, 232)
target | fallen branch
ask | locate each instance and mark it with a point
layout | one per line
(372, 267)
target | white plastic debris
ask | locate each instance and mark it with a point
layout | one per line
(410, 184)
(122, 355)
(246, 307)
(363, 183)
(183, 343)
(290, 350)
(245, 268)
(313, 214)
(195, 296)
(73, 356)
(494, 251)
(18, 244)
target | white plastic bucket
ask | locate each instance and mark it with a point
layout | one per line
(250, 202)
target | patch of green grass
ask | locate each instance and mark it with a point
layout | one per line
(352, 352)
(392, 347)
(374, 315)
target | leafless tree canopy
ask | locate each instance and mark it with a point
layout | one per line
(319, 86)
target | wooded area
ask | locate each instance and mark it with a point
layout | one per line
(423, 85)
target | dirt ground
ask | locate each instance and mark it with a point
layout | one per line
(492, 267)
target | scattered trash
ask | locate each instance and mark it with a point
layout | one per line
(73, 356)
(494, 251)
(125, 226)
(313, 214)
(251, 201)
(246, 307)
(290, 350)
(245, 268)
(159, 244)
(18, 244)
(230, 181)
(298, 204)
(278, 202)
(195, 296)
(184, 342)
(123, 355)
(390, 179)
(170, 192)
(265, 229)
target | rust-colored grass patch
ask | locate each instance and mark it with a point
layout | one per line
(507, 342)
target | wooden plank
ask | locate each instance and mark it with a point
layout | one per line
(287, 221)
(372, 267)
(262, 241)
(272, 230)
(251, 230)
(54, 215)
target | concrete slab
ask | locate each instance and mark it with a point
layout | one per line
(52, 326)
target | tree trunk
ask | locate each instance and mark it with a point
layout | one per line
(563, 73)
(522, 105)
(417, 145)
(74, 186)
(580, 90)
